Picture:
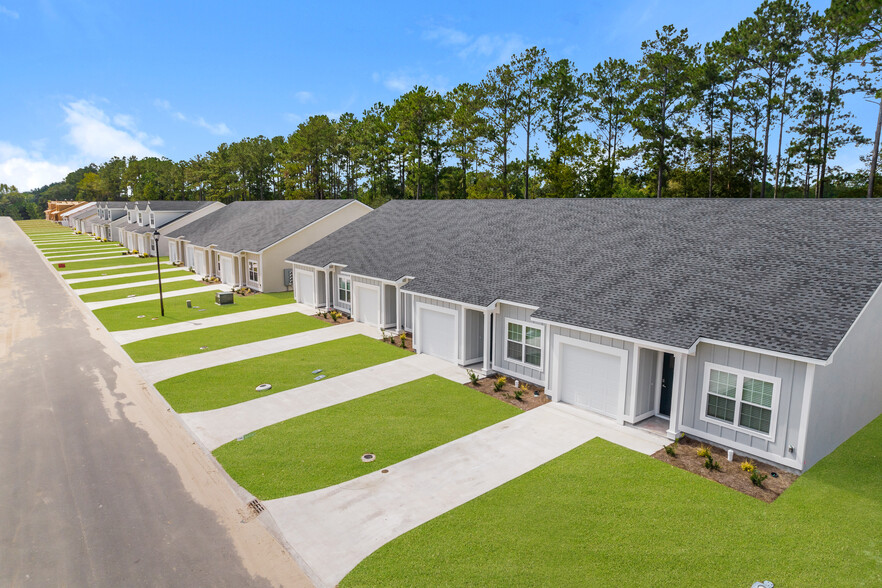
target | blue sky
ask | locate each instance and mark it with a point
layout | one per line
(86, 80)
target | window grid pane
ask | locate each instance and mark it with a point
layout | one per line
(757, 392)
(534, 337)
(533, 355)
(756, 418)
(722, 383)
(515, 351)
(721, 408)
(515, 332)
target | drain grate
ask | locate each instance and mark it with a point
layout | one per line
(256, 507)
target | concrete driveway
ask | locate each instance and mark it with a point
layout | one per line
(333, 529)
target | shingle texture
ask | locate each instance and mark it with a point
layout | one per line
(254, 226)
(779, 275)
(176, 205)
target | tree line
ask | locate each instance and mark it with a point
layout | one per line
(760, 112)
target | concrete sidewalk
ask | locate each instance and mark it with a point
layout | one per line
(125, 275)
(123, 337)
(156, 371)
(66, 272)
(146, 297)
(219, 426)
(93, 258)
(82, 291)
(333, 529)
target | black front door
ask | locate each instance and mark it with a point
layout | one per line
(667, 384)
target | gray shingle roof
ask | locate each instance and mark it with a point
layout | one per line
(780, 275)
(188, 205)
(255, 225)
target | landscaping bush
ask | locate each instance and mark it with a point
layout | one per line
(499, 383)
(757, 478)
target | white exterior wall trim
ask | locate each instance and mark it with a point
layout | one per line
(805, 413)
(641, 342)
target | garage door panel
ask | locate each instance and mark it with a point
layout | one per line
(437, 333)
(590, 379)
(227, 271)
(305, 288)
(367, 305)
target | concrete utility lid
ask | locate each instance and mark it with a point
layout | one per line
(264, 387)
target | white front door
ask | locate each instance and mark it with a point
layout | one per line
(591, 376)
(367, 304)
(305, 287)
(436, 333)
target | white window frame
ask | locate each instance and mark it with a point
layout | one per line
(739, 391)
(253, 269)
(152, 220)
(348, 281)
(524, 325)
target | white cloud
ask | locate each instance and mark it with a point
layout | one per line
(213, 128)
(27, 170)
(404, 82)
(7, 12)
(95, 136)
(303, 96)
(92, 133)
(446, 36)
(494, 47)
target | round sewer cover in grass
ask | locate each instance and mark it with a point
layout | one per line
(264, 387)
(368, 457)
(141, 316)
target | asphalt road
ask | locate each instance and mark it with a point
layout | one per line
(99, 483)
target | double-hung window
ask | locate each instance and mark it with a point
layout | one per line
(740, 399)
(523, 343)
(252, 271)
(344, 289)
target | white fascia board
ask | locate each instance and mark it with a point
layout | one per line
(641, 342)
(740, 347)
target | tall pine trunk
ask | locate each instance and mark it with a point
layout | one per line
(875, 156)
(780, 138)
(766, 143)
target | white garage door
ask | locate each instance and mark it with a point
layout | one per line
(305, 287)
(591, 379)
(227, 271)
(189, 254)
(437, 333)
(367, 304)
(199, 262)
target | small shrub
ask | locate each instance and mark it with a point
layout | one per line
(335, 315)
(711, 464)
(671, 450)
(757, 478)
(520, 391)
(746, 466)
(499, 383)
(703, 451)
(403, 338)
(473, 377)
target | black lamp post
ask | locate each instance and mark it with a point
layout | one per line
(158, 272)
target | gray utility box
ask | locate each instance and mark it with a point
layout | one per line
(223, 298)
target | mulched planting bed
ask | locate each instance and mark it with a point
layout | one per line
(396, 341)
(730, 473)
(507, 392)
(341, 318)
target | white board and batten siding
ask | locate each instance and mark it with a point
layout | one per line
(500, 337)
(786, 413)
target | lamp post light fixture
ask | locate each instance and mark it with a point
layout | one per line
(158, 272)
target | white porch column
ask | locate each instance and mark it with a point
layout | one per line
(631, 410)
(677, 395)
(328, 297)
(398, 321)
(486, 366)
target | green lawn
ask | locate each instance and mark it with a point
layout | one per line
(171, 273)
(220, 337)
(235, 382)
(83, 255)
(109, 262)
(122, 270)
(49, 248)
(324, 448)
(125, 317)
(602, 515)
(140, 291)
(54, 252)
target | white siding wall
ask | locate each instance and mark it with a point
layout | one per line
(499, 343)
(847, 394)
